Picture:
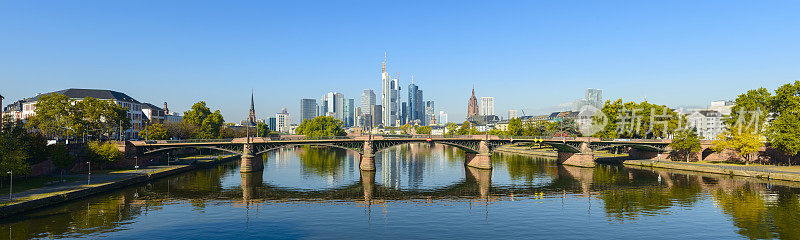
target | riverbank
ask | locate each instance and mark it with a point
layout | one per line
(753, 171)
(60, 193)
(527, 151)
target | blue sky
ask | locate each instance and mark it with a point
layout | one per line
(530, 55)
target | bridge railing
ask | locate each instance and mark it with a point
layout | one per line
(189, 141)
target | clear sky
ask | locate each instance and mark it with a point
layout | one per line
(530, 55)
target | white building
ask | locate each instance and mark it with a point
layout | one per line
(513, 113)
(487, 106)
(722, 106)
(152, 113)
(282, 121)
(134, 107)
(442, 118)
(707, 122)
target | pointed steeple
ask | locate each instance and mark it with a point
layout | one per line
(252, 118)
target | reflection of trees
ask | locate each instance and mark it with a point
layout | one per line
(761, 216)
(629, 193)
(322, 161)
(523, 167)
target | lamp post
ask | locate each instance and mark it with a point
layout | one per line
(10, 185)
(167, 159)
(89, 175)
(137, 162)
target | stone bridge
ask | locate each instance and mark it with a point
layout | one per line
(478, 148)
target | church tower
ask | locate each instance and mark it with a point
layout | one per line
(252, 118)
(472, 106)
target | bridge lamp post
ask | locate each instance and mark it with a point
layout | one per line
(10, 185)
(89, 175)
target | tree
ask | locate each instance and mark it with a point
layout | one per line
(321, 126)
(205, 123)
(407, 128)
(452, 128)
(197, 114)
(103, 152)
(685, 143)
(515, 127)
(465, 128)
(59, 154)
(423, 129)
(155, 131)
(636, 120)
(180, 130)
(100, 116)
(744, 143)
(262, 130)
(53, 115)
(211, 126)
(751, 111)
(13, 153)
(784, 133)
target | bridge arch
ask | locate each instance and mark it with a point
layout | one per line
(267, 148)
(234, 151)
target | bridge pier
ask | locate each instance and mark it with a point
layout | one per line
(368, 183)
(584, 158)
(482, 159)
(249, 162)
(636, 154)
(368, 157)
(482, 177)
(250, 180)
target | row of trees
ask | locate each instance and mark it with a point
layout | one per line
(517, 127)
(59, 116)
(200, 123)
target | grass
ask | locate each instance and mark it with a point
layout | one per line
(23, 184)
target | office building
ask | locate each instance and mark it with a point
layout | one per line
(367, 101)
(308, 109)
(487, 106)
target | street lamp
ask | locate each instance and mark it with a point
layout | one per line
(10, 185)
(89, 175)
(167, 159)
(137, 162)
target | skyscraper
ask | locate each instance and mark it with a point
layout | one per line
(348, 114)
(416, 107)
(442, 118)
(595, 97)
(472, 106)
(339, 106)
(487, 106)
(389, 97)
(430, 110)
(367, 101)
(308, 109)
(377, 116)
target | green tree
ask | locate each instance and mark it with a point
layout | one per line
(155, 132)
(211, 126)
(744, 143)
(751, 111)
(423, 129)
(321, 126)
(636, 120)
(197, 114)
(13, 153)
(100, 116)
(103, 152)
(262, 130)
(59, 154)
(465, 128)
(515, 127)
(685, 143)
(452, 128)
(784, 133)
(54, 115)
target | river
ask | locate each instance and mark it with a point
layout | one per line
(424, 191)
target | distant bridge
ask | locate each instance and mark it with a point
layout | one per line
(478, 148)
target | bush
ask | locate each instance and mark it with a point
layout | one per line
(106, 152)
(59, 154)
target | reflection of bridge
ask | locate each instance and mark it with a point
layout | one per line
(571, 151)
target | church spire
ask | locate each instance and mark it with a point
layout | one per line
(252, 118)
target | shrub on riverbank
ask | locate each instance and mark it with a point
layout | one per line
(104, 152)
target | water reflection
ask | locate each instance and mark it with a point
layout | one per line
(321, 179)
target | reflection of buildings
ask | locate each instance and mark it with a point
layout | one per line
(390, 168)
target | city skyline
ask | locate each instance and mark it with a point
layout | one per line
(629, 53)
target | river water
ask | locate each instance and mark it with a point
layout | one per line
(423, 191)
